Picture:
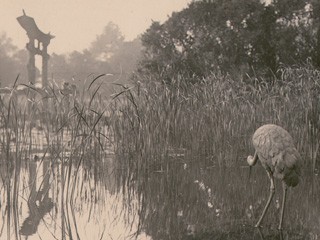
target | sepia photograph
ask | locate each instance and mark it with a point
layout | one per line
(160, 120)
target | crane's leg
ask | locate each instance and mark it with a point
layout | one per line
(285, 187)
(269, 199)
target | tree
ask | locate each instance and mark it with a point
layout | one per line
(126, 59)
(13, 62)
(107, 54)
(231, 35)
(314, 32)
(112, 54)
(203, 37)
(107, 43)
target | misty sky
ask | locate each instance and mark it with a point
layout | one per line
(76, 23)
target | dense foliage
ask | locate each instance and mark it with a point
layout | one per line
(249, 36)
(216, 117)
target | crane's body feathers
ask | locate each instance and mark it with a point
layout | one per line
(275, 149)
(277, 153)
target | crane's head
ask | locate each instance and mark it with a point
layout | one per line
(251, 161)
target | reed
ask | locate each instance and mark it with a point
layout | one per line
(215, 117)
(67, 128)
(171, 139)
(159, 132)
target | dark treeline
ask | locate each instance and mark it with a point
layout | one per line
(246, 36)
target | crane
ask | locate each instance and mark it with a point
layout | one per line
(275, 149)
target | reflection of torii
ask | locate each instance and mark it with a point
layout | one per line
(39, 202)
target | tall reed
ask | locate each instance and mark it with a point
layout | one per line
(162, 131)
(73, 124)
(213, 119)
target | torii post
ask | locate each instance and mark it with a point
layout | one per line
(33, 32)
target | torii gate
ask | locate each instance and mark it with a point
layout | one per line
(43, 39)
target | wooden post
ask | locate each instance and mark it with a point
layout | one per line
(31, 64)
(45, 59)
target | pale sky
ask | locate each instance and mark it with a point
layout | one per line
(76, 23)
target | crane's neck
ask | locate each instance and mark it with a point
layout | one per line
(252, 160)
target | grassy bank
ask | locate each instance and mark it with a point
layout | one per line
(172, 144)
(213, 118)
(216, 117)
(181, 146)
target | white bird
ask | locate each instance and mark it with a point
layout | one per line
(275, 149)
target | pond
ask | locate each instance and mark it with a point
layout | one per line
(53, 203)
(57, 196)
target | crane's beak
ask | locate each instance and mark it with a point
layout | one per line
(252, 161)
(249, 175)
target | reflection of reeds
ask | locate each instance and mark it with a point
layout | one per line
(73, 127)
(211, 122)
(166, 137)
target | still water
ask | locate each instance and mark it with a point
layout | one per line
(45, 196)
(83, 206)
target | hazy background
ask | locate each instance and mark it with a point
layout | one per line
(75, 23)
(91, 37)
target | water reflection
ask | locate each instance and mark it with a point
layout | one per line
(200, 202)
(62, 200)
(60, 196)
(39, 202)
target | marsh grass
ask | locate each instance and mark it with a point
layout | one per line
(216, 117)
(73, 132)
(161, 130)
(166, 138)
